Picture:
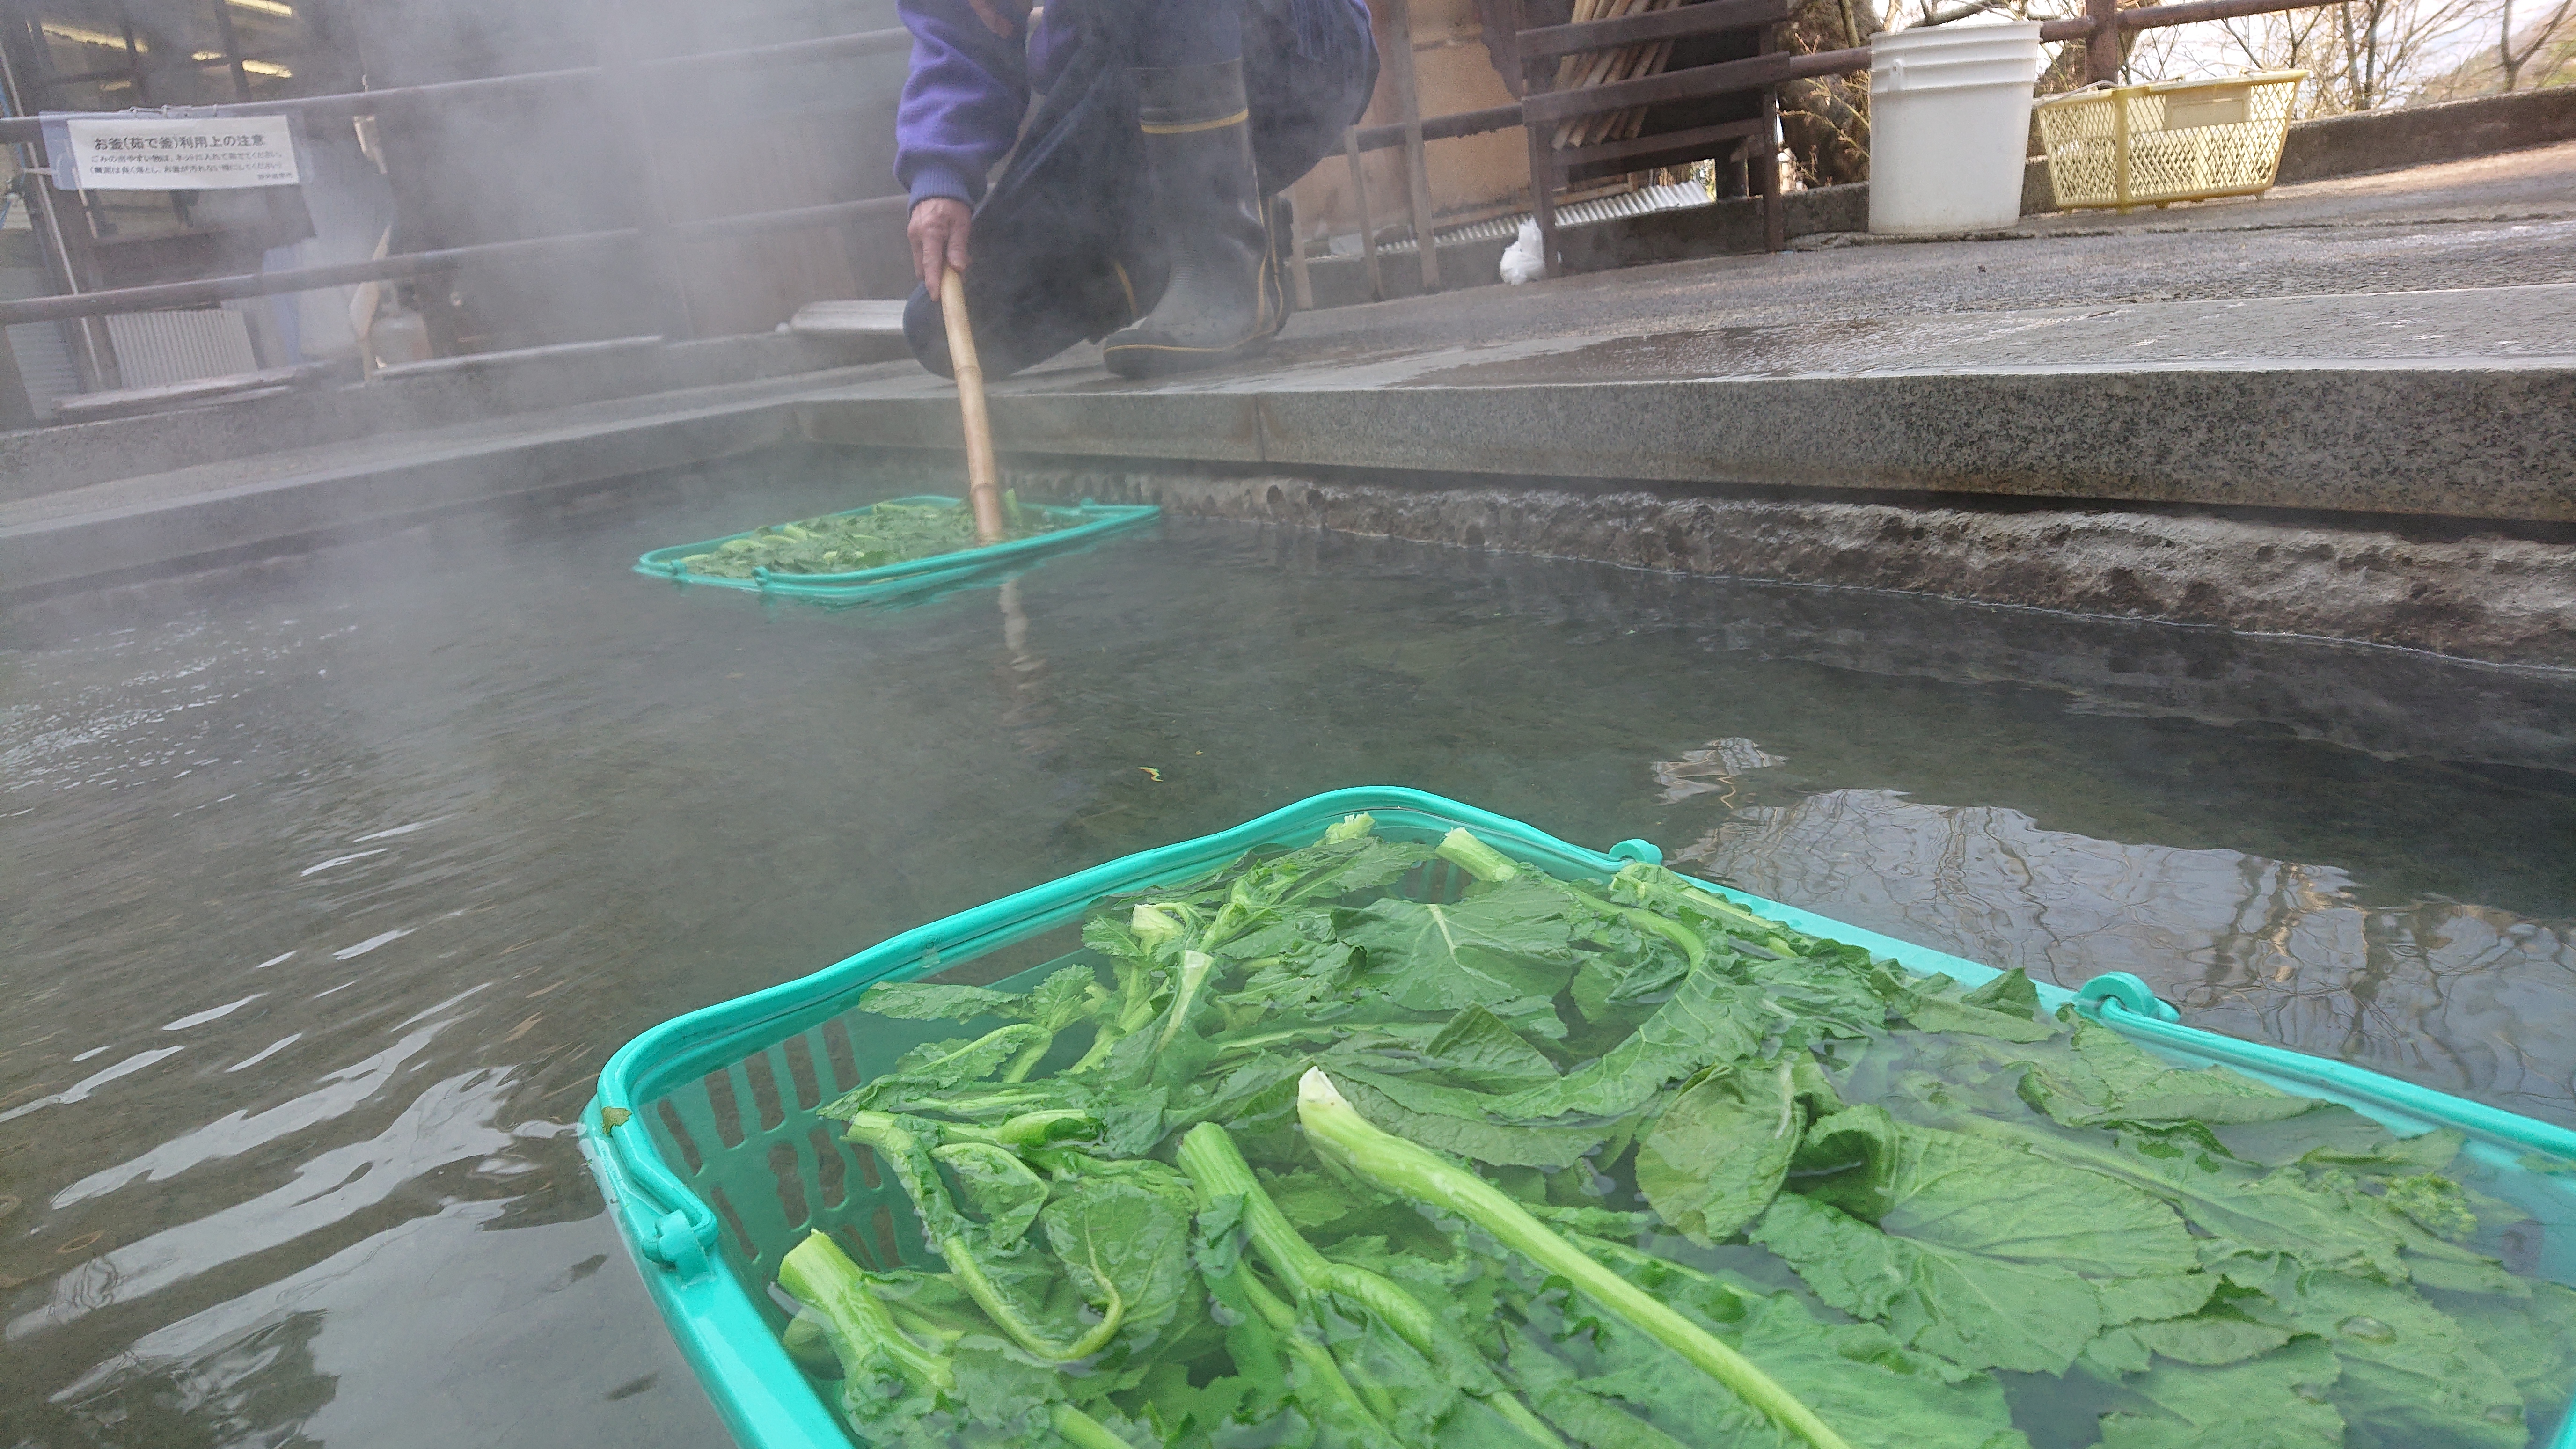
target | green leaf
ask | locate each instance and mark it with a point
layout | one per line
(1987, 1011)
(2330, 1134)
(1454, 1120)
(1062, 999)
(2013, 993)
(2436, 1203)
(2210, 1339)
(1858, 1379)
(1006, 1394)
(2273, 1213)
(2413, 1377)
(2132, 1300)
(1711, 1019)
(1313, 1200)
(1980, 1312)
(997, 1185)
(2274, 1402)
(935, 1001)
(1479, 1050)
(1848, 1160)
(1591, 988)
(1565, 1400)
(2532, 1340)
(1717, 1156)
(1134, 1236)
(1508, 942)
(938, 1067)
(1856, 1376)
(2105, 1077)
(1985, 1276)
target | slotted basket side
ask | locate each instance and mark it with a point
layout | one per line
(748, 1141)
(2132, 146)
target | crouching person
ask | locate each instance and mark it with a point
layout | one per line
(1139, 204)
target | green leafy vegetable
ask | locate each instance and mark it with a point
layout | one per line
(841, 543)
(1380, 1143)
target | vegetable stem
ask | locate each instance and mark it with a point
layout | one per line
(1083, 1431)
(1475, 857)
(1352, 827)
(1338, 1130)
(1195, 966)
(824, 1279)
(1216, 1169)
(1028, 1059)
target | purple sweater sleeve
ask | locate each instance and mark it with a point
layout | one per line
(962, 102)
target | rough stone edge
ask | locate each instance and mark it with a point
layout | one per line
(2487, 599)
(2369, 141)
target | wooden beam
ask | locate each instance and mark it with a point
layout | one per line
(2102, 47)
(1679, 85)
(1651, 25)
(1574, 156)
(1408, 105)
(1444, 128)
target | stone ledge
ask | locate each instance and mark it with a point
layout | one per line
(442, 393)
(2479, 597)
(2408, 439)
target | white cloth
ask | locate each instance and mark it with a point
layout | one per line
(1521, 260)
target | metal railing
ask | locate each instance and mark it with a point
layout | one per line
(209, 291)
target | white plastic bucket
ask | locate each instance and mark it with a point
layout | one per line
(1949, 125)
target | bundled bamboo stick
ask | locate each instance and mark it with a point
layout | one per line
(1604, 67)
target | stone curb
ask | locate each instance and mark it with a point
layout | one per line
(2405, 439)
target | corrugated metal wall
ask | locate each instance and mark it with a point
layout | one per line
(155, 349)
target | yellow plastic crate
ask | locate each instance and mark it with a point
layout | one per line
(2132, 146)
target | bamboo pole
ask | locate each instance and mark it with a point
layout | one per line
(983, 476)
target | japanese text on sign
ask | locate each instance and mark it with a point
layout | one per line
(156, 153)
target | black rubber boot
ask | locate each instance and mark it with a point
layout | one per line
(1223, 299)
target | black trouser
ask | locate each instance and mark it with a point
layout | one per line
(1062, 250)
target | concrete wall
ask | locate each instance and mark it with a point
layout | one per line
(2422, 135)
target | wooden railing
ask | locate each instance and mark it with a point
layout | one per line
(2103, 19)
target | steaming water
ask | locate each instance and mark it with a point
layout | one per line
(331, 882)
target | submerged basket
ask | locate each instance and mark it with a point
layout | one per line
(1077, 526)
(2131, 146)
(706, 1141)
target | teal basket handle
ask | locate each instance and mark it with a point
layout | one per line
(669, 1222)
(2126, 991)
(1645, 851)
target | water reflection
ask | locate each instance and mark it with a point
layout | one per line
(546, 1350)
(2460, 996)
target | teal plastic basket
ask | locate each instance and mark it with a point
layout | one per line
(1078, 526)
(705, 1139)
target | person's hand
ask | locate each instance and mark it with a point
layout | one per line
(938, 235)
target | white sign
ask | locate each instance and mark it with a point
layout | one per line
(155, 153)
